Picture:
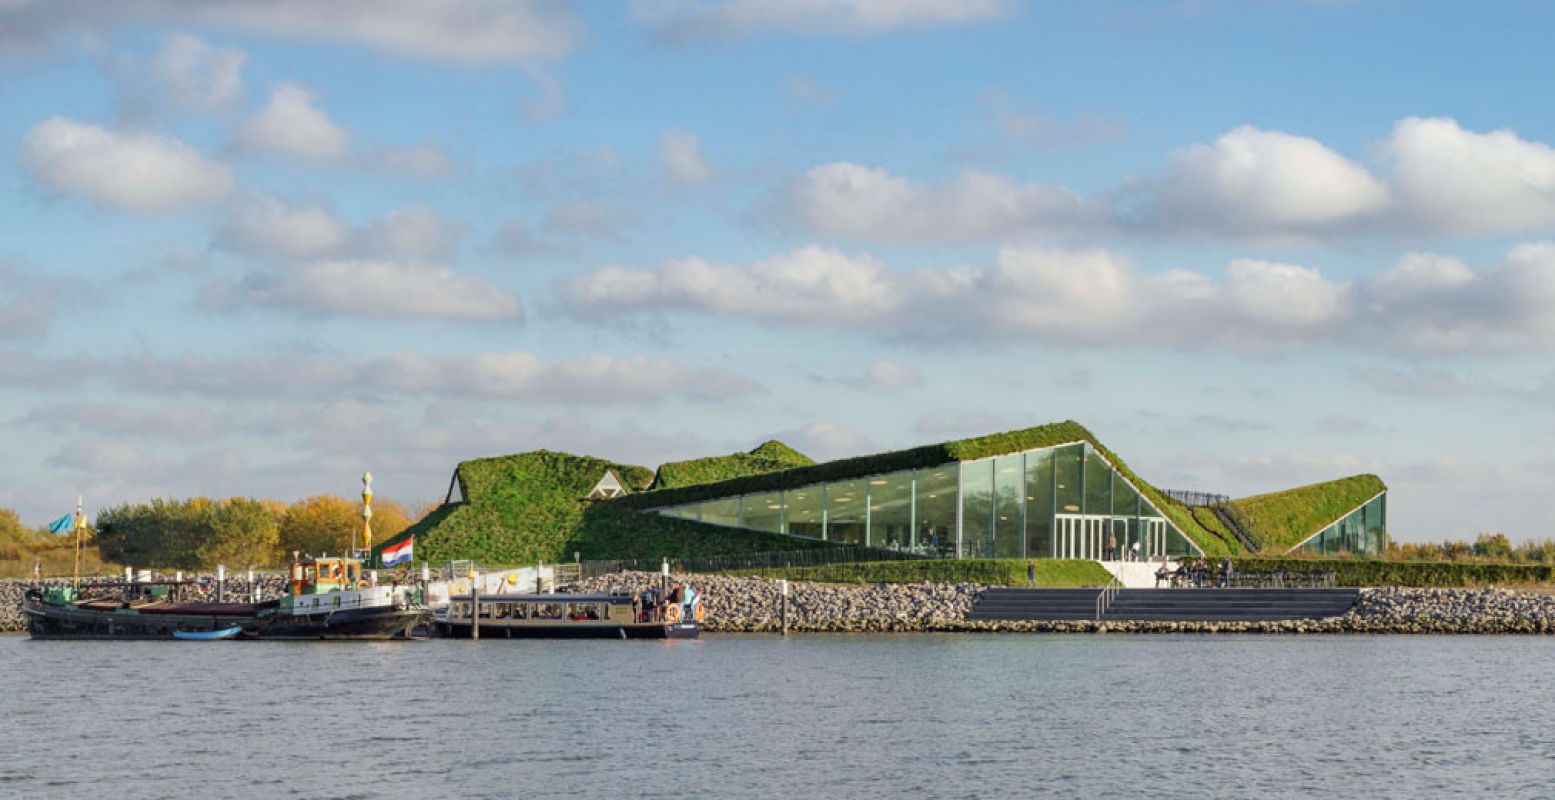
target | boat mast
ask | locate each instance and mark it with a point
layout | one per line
(367, 518)
(75, 570)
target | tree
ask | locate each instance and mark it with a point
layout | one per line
(1492, 545)
(324, 523)
(242, 534)
(188, 534)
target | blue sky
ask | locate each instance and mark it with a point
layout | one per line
(258, 248)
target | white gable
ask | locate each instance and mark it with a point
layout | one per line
(609, 486)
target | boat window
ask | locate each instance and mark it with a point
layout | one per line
(580, 612)
(520, 611)
(353, 572)
(548, 611)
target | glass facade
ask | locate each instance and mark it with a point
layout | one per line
(1064, 502)
(1362, 532)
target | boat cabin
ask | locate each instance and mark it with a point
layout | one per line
(325, 574)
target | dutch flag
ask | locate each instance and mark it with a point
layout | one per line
(396, 554)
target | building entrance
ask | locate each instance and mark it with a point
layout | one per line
(1085, 536)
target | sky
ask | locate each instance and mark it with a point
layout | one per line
(256, 248)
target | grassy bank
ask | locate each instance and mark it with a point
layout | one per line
(1379, 572)
(994, 572)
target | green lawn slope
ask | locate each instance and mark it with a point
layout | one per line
(1284, 519)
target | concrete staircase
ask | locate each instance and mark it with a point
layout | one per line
(1170, 605)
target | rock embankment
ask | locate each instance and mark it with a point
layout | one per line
(753, 604)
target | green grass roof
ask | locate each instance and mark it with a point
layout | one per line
(772, 456)
(1057, 433)
(1285, 519)
(522, 508)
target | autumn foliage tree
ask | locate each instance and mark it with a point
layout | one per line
(328, 523)
(188, 534)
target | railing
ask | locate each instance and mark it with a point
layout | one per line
(1241, 527)
(1105, 599)
(782, 559)
(1192, 498)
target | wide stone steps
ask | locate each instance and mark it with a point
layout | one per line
(1178, 605)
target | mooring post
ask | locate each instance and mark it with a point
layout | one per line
(783, 604)
(253, 588)
(475, 605)
(178, 586)
(221, 583)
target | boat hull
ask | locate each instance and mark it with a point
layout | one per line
(70, 622)
(351, 624)
(565, 630)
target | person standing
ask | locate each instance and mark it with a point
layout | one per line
(1225, 573)
(1112, 546)
(1031, 573)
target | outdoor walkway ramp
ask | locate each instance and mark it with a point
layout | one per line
(1167, 605)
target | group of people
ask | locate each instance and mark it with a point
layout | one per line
(682, 602)
(1193, 573)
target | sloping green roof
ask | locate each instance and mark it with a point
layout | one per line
(1057, 433)
(522, 508)
(1285, 519)
(772, 456)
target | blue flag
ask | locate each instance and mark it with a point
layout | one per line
(61, 524)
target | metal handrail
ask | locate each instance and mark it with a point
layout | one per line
(1104, 599)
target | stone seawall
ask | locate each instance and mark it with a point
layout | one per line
(750, 605)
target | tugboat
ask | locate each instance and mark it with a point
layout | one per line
(328, 599)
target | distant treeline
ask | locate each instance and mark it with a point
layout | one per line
(201, 532)
(1491, 547)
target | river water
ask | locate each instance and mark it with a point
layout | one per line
(953, 715)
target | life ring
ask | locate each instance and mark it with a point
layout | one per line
(672, 613)
(701, 613)
(364, 584)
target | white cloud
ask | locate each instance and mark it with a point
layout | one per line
(807, 285)
(413, 234)
(1471, 182)
(26, 302)
(460, 31)
(595, 379)
(855, 202)
(587, 219)
(387, 290)
(680, 153)
(1073, 297)
(195, 73)
(290, 124)
(826, 440)
(1252, 181)
(425, 160)
(267, 225)
(690, 20)
(890, 376)
(118, 419)
(134, 172)
(1434, 303)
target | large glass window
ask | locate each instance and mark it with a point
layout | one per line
(977, 509)
(1377, 525)
(804, 509)
(847, 517)
(1008, 491)
(764, 512)
(936, 504)
(1039, 503)
(890, 511)
(1098, 483)
(1071, 466)
(722, 512)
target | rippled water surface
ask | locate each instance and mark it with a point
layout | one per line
(729, 716)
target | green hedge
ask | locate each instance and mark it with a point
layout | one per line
(1284, 519)
(772, 456)
(993, 572)
(1379, 572)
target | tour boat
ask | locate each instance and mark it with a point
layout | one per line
(328, 599)
(568, 616)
